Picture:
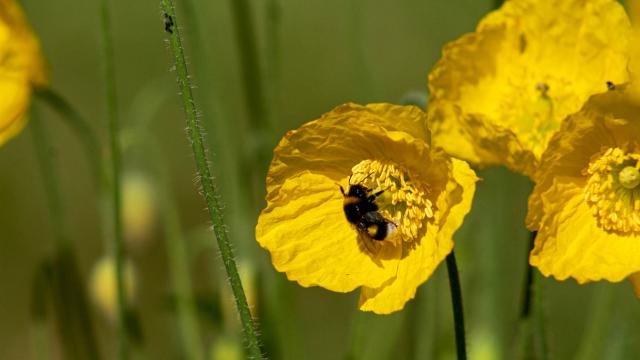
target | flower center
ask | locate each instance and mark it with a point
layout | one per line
(403, 200)
(629, 177)
(612, 190)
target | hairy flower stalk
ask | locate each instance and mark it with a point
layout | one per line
(208, 188)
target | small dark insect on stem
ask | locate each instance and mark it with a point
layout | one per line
(611, 86)
(168, 23)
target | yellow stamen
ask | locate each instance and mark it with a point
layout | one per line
(612, 190)
(403, 201)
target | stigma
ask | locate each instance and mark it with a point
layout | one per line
(613, 190)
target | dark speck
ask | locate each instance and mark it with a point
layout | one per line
(168, 23)
(523, 43)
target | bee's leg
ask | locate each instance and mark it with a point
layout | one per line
(373, 196)
(362, 226)
(342, 190)
(373, 217)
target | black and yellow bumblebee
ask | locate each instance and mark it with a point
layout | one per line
(361, 210)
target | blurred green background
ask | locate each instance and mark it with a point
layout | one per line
(317, 54)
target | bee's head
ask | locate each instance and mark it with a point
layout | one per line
(358, 191)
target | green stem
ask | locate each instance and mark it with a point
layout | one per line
(79, 125)
(92, 144)
(251, 67)
(597, 327)
(112, 110)
(528, 282)
(69, 295)
(40, 333)
(532, 316)
(206, 180)
(258, 155)
(178, 258)
(273, 19)
(539, 318)
(456, 302)
(50, 181)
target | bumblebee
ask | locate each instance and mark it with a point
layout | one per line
(361, 210)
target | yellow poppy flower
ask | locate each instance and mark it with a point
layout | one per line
(586, 202)
(422, 196)
(21, 68)
(500, 93)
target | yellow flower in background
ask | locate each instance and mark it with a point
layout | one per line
(414, 200)
(226, 348)
(498, 95)
(139, 209)
(21, 68)
(586, 202)
(247, 273)
(103, 286)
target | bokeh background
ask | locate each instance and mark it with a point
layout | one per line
(314, 55)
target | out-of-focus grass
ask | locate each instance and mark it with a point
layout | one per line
(399, 41)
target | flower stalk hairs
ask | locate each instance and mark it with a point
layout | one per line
(499, 94)
(22, 68)
(359, 199)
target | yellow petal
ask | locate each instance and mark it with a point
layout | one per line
(499, 94)
(571, 244)
(304, 226)
(14, 104)
(418, 264)
(310, 239)
(21, 68)
(347, 135)
(606, 120)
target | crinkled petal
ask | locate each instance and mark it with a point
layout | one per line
(419, 263)
(571, 244)
(333, 144)
(603, 122)
(309, 238)
(499, 94)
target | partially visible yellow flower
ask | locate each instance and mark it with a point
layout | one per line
(500, 93)
(247, 273)
(103, 286)
(21, 68)
(139, 208)
(226, 348)
(483, 345)
(586, 202)
(383, 147)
